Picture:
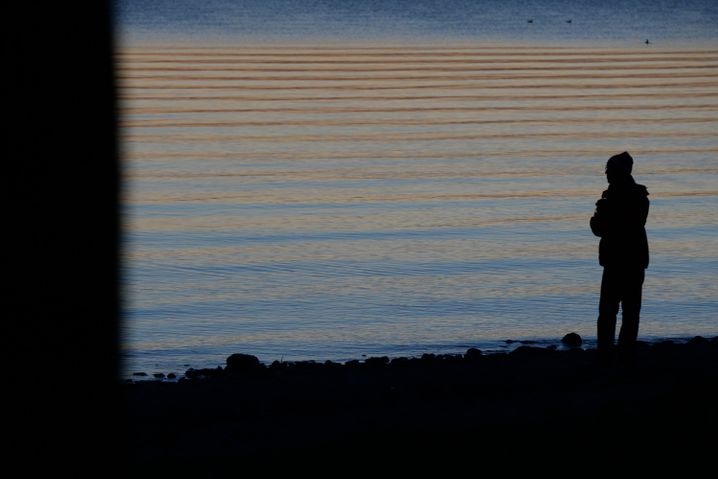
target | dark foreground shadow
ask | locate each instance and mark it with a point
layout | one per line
(533, 407)
(59, 260)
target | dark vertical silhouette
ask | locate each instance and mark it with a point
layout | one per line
(60, 299)
(620, 220)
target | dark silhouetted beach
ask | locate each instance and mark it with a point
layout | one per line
(533, 405)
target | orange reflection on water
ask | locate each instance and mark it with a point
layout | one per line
(280, 195)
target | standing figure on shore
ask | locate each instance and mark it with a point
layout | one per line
(619, 220)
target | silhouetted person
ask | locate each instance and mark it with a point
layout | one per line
(620, 220)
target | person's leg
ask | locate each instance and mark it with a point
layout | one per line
(631, 307)
(607, 310)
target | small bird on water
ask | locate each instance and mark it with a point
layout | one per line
(569, 20)
(647, 42)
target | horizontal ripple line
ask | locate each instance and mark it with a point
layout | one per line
(131, 64)
(155, 123)
(344, 174)
(394, 154)
(420, 136)
(403, 52)
(574, 76)
(445, 109)
(413, 197)
(587, 96)
(134, 76)
(420, 86)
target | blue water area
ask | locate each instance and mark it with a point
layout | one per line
(294, 191)
(430, 20)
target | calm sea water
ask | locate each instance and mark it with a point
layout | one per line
(297, 198)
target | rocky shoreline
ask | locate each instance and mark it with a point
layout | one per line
(483, 407)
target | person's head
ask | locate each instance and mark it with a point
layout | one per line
(619, 167)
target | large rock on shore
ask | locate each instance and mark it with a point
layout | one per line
(572, 340)
(473, 354)
(243, 363)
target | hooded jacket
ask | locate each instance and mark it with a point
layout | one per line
(620, 220)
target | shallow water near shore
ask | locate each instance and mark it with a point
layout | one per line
(313, 201)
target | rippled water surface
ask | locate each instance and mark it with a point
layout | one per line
(315, 201)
